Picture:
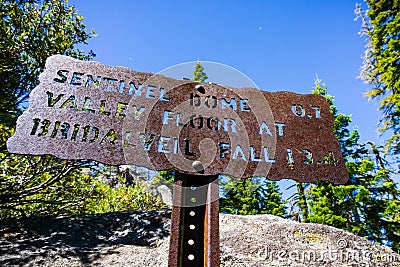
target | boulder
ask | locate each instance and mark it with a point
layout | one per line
(141, 238)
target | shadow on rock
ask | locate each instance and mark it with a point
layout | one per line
(24, 241)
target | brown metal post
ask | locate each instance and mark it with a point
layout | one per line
(195, 222)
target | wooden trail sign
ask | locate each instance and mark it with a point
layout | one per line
(86, 110)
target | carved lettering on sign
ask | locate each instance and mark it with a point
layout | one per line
(86, 110)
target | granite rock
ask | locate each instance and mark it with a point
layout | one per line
(141, 238)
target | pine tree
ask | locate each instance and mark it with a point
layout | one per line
(272, 199)
(198, 74)
(242, 197)
(381, 68)
(367, 204)
(252, 196)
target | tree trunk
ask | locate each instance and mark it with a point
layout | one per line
(302, 202)
(381, 165)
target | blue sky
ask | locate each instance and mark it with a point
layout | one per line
(280, 45)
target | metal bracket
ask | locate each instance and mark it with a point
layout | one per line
(195, 222)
